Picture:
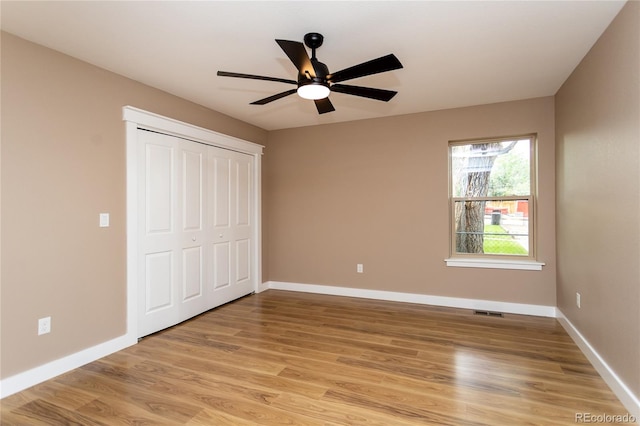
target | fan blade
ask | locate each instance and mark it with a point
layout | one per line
(298, 55)
(274, 97)
(374, 66)
(324, 105)
(255, 77)
(365, 92)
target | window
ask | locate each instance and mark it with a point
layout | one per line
(491, 192)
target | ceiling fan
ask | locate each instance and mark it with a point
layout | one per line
(315, 82)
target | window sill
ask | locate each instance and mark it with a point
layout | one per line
(527, 265)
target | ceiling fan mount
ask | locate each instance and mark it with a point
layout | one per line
(313, 40)
(315, 82)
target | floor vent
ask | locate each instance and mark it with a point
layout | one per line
(489, 314)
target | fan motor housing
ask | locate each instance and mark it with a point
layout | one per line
(322, 71)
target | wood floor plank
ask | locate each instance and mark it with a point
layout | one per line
(115, 411)
(337, 413)
(363, 345)
(210, 417)
(130, 388)
(67, 398)
(306, 359)
(191, 352)
(536, 408)
(52, 414)
(414, 413)
(234, 375)
(380, 392)
(328, 367)
(260, 343)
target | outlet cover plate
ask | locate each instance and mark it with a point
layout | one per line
(44, 326)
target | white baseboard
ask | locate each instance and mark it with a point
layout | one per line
(262, 287)
(423, 299)
(24, 380)
(624, 394)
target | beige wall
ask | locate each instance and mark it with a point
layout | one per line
(598, 196)
(375, 192)
(63, 163)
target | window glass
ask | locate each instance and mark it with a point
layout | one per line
(491, 197)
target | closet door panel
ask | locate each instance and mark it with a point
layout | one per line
(221, 261)
(243, 260)
(231, 224)
(159, 281)
(195, 240)
(159, 188)
(243, 191)
(192, 183)
(192, 285)
(171, 188)
(220, 193)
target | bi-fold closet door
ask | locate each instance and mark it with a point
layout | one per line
(195, 228)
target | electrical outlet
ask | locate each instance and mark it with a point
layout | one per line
(359, 268)
(44, 325)
(578, 302)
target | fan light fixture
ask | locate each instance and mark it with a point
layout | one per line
(314, 80)
(314, 91)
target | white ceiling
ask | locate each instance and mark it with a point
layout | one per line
(455, 53)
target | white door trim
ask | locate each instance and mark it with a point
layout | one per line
(139, 119)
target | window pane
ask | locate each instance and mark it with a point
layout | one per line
(492, 227)
(491, 169)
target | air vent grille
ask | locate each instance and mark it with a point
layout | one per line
(489, 314)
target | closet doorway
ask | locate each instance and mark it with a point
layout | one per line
(193, 204)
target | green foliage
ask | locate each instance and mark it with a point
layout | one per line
(510, 174)
(500, 242)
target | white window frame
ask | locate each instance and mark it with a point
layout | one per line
(496, 261)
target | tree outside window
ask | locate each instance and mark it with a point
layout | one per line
(491, 193)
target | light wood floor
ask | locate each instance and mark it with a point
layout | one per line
(283, 358)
